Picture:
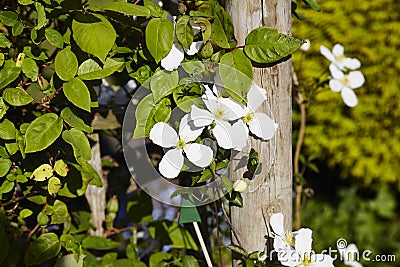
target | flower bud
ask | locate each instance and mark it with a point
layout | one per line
(240, 186)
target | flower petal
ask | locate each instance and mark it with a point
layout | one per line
(322, 260)
(171, 164)
(187, 130)
(174, 58)
(351, 63)
(276, 222)
(240, 135)
(222, 133)
(349, 97)
(338, 50)
(210, 99)
(262, 126)
(200, 155)
(255, 97)
(356, 79)
(326, 53)
(194, 48)
(336, 72)
(163, 135)
(231, 109)
(335, 85)
(303, 242)
(201, 117)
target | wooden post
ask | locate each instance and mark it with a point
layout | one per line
(270, 191)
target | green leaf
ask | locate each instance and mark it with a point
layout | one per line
(42, 249)
(42, 20)
(42, 218)
(227, 183)
(157, 259)
(236, 74)
(54, 37)
(127, 9)
(5, 165)
(206, 28)
(66, 64)
(9, 18)
(267, 45)
(163, 83)
(238, 250)
(3, 152)
(28, 52)
(42, 173)
(25, 2)
(42, 132)
(7, 130)
(94, 34)
(17, 96)
(53, 185)
(80, 144)
(61, 168)
(142, 74)
(187, 95)
(155, 10)
(12, 148)
(25, 213)
(73, 120)
(90, 70)
(7, 186)
(4, 42)
(189, 261)
(128, 263)
(59, 211)
(159, 37)
(30, 68)
(313, 4)
(70, 261)
(77, 92)
(3, 108)
(184, 31)
(99, 243)
(218, 34)
(9, 73)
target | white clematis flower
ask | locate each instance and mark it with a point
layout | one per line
(260, 124)
(172, 162)
(337, 57)
(350, 255)
(220, 111)
(345, 83)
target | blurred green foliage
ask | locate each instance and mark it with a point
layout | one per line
(364, 142)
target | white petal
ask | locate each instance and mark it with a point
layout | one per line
(278, 243)
(356, 79)
(353, 263)
(210, 100)
(262, 126)
(240, 135)
(336, 85)
(187, 130)
(200, 155)
(194, 48)
(338, 50)
(255, 97)
(351, 63)
(222, 132)
(174, 58)
(276, 222)
(322, 260)
(326, 53)
(171, 164)
(163, 135)
(196, 27)
(201, 117)
(349, 97)
(352, 248)
(336, 72)
(232, 110)
(303, 242)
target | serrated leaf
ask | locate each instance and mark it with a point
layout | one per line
(9, 73)
(42, 249)
(91, 70)
(42, 173)
(127, 9)
(77, 92)
(54, 37)
(4, 42)
(61, 168)
(41, 14)
(184, 31)
(42, 132)
(159, 37)
(5, 165)
(99, 243)
(94, 34)
(163, 83)
(267, 45)
(66, 64)
(236, 74)
(16, 96)
(30, 68)
(69, 117)
(80, 144)
(7, 130)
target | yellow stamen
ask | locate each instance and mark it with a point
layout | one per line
(289, 238)
(181, 144)
(346, 80)
(340, 58)
(219, 113)
(248, 118)
(307, 260)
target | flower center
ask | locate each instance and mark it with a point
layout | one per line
(248, 118)
(307, 260)
(219, 113)
(346, 80)
(289, 238)
(181, 144)
(340, 58)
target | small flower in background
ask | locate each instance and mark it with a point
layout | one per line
(306, 46)
(337, 57)
(350, 255)
(172, 162)
(240, 186)
(345, 83)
